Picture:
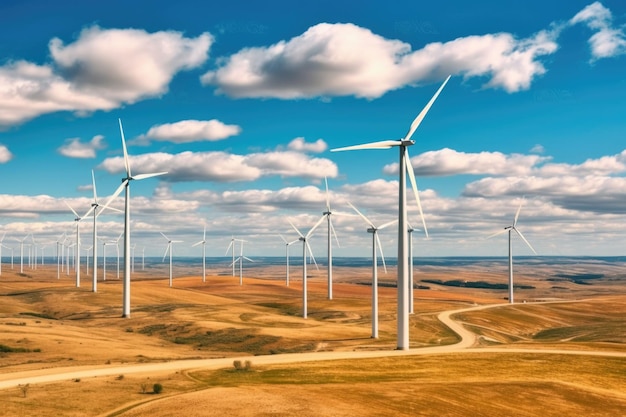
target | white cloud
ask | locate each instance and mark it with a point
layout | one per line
(345, 59)
(607, 41)
(5, 154)
(187, 131)
(537, 149)
(225, 167)
(101, 70)
(450, 162)
(74, 148)
(300, 145)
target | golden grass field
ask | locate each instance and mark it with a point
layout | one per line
(49, 326)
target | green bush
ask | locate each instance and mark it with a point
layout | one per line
(157, 388)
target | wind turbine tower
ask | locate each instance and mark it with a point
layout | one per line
(510, 229)
(375, 245)
(126, 187)
(305, 247)
(404, 168)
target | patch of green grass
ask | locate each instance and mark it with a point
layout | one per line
(8, 349)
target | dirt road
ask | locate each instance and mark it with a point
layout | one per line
(468, 340)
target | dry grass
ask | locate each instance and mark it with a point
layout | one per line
(48, 323)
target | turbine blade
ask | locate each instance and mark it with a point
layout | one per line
(281, 236)
(524, 239)
(168, 239)
(197, 243)
(327, 196)
(425, 110)
(229, 246)
(144, 176)
(409, 169)
(315, 227)
(247, 259)
(388, 224)
(91, 209)
(115, 194)
(383, 144)
(93, 182)
(295, 228)
(235, 261)
(497, 233)
(311, 254)
(166, 251)
(126, 162)
(73, 211)
(332, 229)
(517, 214)
(380, 249)
(204, 234)
(362, 215)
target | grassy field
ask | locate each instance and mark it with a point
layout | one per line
(47, 324)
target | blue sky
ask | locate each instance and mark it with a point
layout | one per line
(242, 103)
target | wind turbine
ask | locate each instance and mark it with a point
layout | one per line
(240, 259)
(78, 219)
(21, 241)
(87, 250)
(287, 244)
(509, 229)
(94, 206)
(203, 243)
(375, 245)
(403, 168)
(169, 249)
(126, 186)
(305, 247)
(60, 254)
(231, 247)
(331, 230)
(1, 246)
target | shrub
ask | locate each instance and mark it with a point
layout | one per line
(144, 388)
(237, 365)
(157, 388)
(247, 365)
(24, 388)
(120, 377)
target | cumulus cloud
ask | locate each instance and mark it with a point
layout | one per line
(225, 167)
(607, 41)
(5, 154)
(300, 145)
(187, 131)
(345, 59)
(447, 161)
(74, 148)
(101, 70)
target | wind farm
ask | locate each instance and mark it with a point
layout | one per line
(252, 132)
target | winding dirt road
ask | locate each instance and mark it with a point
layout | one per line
(468, 340)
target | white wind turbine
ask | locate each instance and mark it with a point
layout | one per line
(331, 230)
(240, 259)
(21, 241)
(509, 229)
(305, 247)
(231, 247)
(375, 245)
(94, 206)
(203, 243)
(169, 249)
(404, 167)
(126, 186)
(89, 249)
(78, 219)
(2, 246)
(60, 243)
(287, 244)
